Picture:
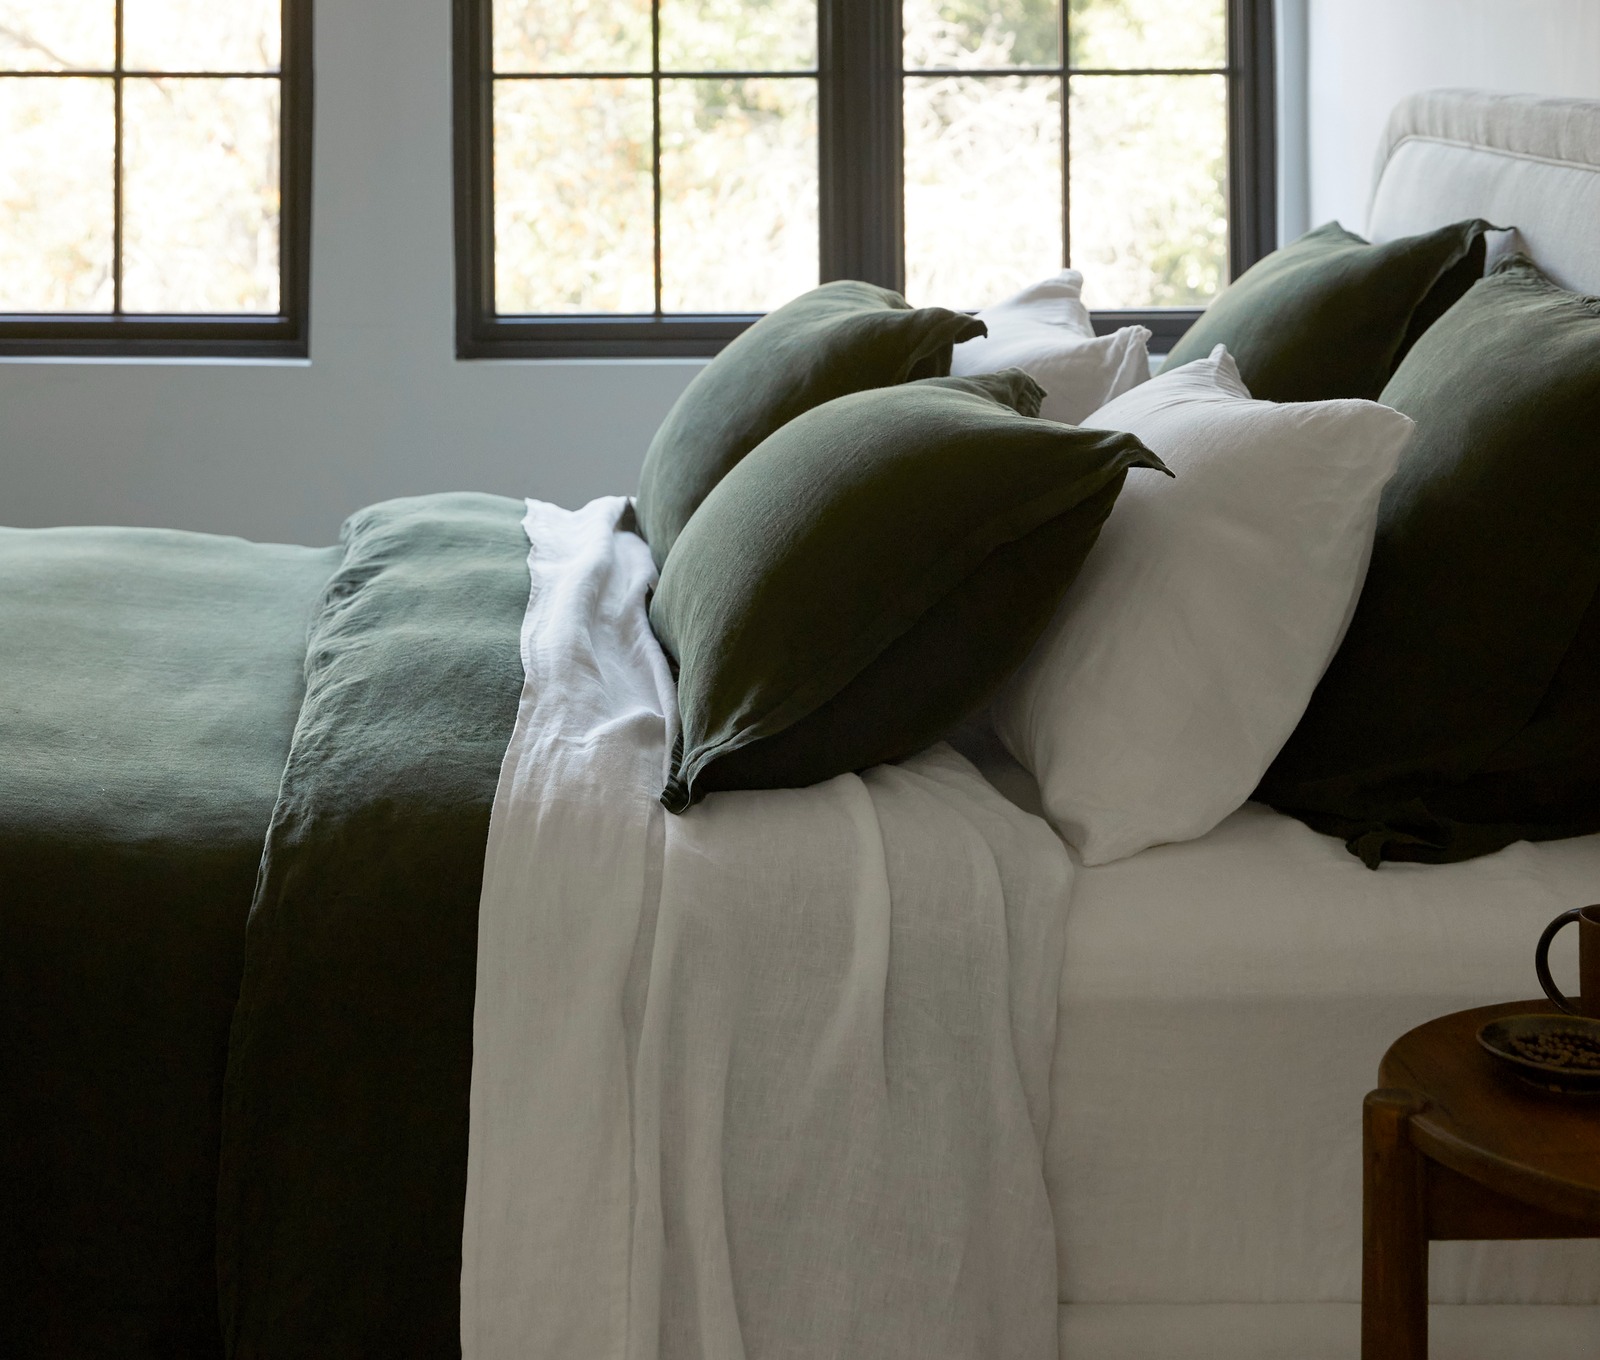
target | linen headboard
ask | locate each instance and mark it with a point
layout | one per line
(1522, 161)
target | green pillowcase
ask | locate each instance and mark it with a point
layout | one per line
(1331, 315)
(869, 574)
(840, 338)
(1461, 712)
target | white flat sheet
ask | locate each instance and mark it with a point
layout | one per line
(1224, 1005)
(768, 1079)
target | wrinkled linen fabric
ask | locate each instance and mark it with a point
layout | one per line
(149, 682)
(767, 1079)
(1047, 332)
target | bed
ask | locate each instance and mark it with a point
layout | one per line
(351, 1002)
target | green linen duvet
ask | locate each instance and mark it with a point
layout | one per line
(244, 791)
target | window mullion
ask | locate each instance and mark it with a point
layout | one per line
(1252, 135)
(474, 96)
(655, 144)
(1064, 55)
(116, 170)
(860, 141)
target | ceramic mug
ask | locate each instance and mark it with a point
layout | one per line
(1588, 1003)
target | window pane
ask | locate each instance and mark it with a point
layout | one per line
(1149, 197)
(200, 195)
(738, 35)
(1118, 33)
(946, 33)
(201, 35)
(58, 35)
(560, 35)
(983, 186)
(56, 141)
(572, 197)
(739, 193)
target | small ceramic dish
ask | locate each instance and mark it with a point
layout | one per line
(1522, 1041)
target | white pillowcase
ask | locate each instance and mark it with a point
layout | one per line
(1185, 652)
(1046, 332)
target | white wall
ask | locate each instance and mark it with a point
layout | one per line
(1290, 56)
(285, 451)
(1364, 55)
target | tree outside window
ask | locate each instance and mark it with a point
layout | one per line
(641, 163)
(147, 149)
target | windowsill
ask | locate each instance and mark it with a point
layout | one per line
(692, 339)
(155, 360)
(583, 360)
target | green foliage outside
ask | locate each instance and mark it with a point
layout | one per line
(199, 157)
(572, 158)
(575, 216)
(1147, 154)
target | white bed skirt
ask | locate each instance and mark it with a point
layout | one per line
(1224, 1006)
(1317, 1331)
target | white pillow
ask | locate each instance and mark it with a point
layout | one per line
(1046, 332)
(1186, 650)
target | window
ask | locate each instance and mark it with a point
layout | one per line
(154, 176)
(647, 176)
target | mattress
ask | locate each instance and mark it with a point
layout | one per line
(1224, 1006)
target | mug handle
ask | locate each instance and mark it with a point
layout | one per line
(1541, 960)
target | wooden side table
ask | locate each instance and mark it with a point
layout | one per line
(1458, 1148)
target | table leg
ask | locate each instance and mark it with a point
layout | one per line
(1394, 1259)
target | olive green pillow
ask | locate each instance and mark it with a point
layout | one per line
(1331, 315)
(1461, 712)
(870, 573)
(840, 338)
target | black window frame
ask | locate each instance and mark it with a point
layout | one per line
(860, 186)
(284, 335)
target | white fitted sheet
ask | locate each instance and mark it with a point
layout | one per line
(1224, 1005)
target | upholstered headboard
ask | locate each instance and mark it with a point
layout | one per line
(1520, 161)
